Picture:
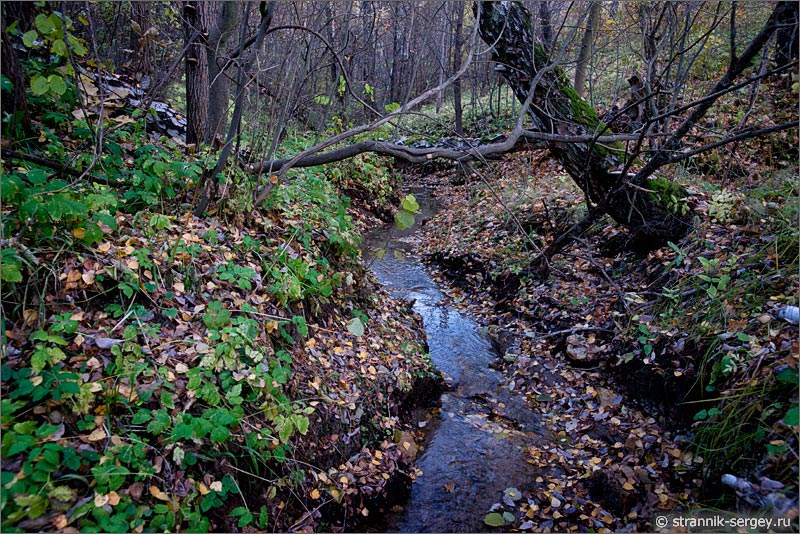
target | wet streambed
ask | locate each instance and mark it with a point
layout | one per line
(474, 447)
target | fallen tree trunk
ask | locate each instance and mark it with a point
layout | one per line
(653, 209)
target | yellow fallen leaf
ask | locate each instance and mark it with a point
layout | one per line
(628, 486)
(315, 494)
(100, 500)
(79, 233)
(97, 434)
(159, 494)
(203, 489)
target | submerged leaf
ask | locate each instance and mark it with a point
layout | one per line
(494, 520)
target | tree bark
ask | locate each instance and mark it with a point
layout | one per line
(582, 66)
(17, 106)
(786, 41)
(194, 21)
(545, 26)
(226, 15)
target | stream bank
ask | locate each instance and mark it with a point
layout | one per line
(521, 439)
(592, 348)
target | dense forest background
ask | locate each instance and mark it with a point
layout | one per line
(192, 340)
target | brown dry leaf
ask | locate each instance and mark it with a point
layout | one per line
(113, 498)
(449, 487)
(216, 485)
(98, 434)
(158, 493)
(135, 490)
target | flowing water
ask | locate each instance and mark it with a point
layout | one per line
(474, 448)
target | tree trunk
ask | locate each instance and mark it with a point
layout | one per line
(142, 42)
(545, 27)
(786, 45)
(651, 212)
(459, 24)
(225, 17)
(194, 27)
(17, 105)
(582, 66)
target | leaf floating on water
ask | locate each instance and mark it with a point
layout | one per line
(410, 204)
(494, 520)
(513, 493)
(404, 219)
(450, 487)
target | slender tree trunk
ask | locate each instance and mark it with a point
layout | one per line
(141, 42)
(457, 44)
(546, 27)
(582, 67)
(194, 27)
(442, 69)
(786, 40)
(226, 17)
(395, 84)
(17, 106)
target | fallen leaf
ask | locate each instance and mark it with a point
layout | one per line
(97, 434)
(159, 494)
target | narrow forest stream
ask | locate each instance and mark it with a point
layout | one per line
(475, 445)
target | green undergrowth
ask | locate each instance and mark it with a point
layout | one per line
(720, 307)
(163, 371)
